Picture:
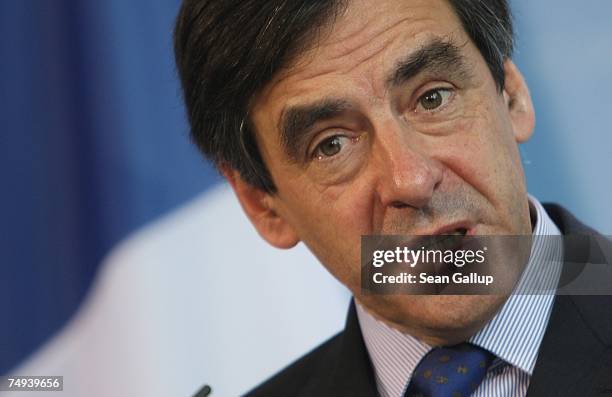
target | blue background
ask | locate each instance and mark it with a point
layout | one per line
(94, 142)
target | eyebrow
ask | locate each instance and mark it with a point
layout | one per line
(435, 56)
(298, 120)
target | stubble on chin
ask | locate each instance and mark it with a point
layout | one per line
(434, 319)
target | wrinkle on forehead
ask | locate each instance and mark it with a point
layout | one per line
(344, 57)
(354, 42)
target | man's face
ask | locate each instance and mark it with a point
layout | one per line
(393, 124)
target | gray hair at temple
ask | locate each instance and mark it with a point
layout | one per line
(227, 50)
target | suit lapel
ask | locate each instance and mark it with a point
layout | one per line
(569, 354)
(573, 358)
(353, 374)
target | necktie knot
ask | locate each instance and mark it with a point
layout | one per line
(454, 371)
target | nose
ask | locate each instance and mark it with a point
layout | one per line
(407, 174)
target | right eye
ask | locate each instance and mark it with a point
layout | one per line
(330, 147)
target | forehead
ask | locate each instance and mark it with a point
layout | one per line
(353, 55)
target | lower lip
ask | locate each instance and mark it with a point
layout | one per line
(471, 231)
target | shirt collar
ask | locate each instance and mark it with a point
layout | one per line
(514, 334)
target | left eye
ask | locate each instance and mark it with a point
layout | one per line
(435, 98)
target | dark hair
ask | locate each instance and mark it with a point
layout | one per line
(227, 50)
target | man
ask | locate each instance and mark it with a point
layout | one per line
(335, 120)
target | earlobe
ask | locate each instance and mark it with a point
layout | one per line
(518, 101)
(259, 208)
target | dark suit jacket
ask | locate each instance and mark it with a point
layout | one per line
(575, 357)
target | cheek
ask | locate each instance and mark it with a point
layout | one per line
(331, 222)
(485, 141)
(485, 156)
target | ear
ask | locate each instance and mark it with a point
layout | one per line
(258, 206)
(519, 102)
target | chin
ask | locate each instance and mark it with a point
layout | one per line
(435, 319)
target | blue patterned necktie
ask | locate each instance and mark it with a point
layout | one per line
(454, 371)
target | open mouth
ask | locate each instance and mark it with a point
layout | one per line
(449, 250)
(450, 240)
(458, 232)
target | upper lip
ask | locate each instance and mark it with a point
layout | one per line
(451, 227)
